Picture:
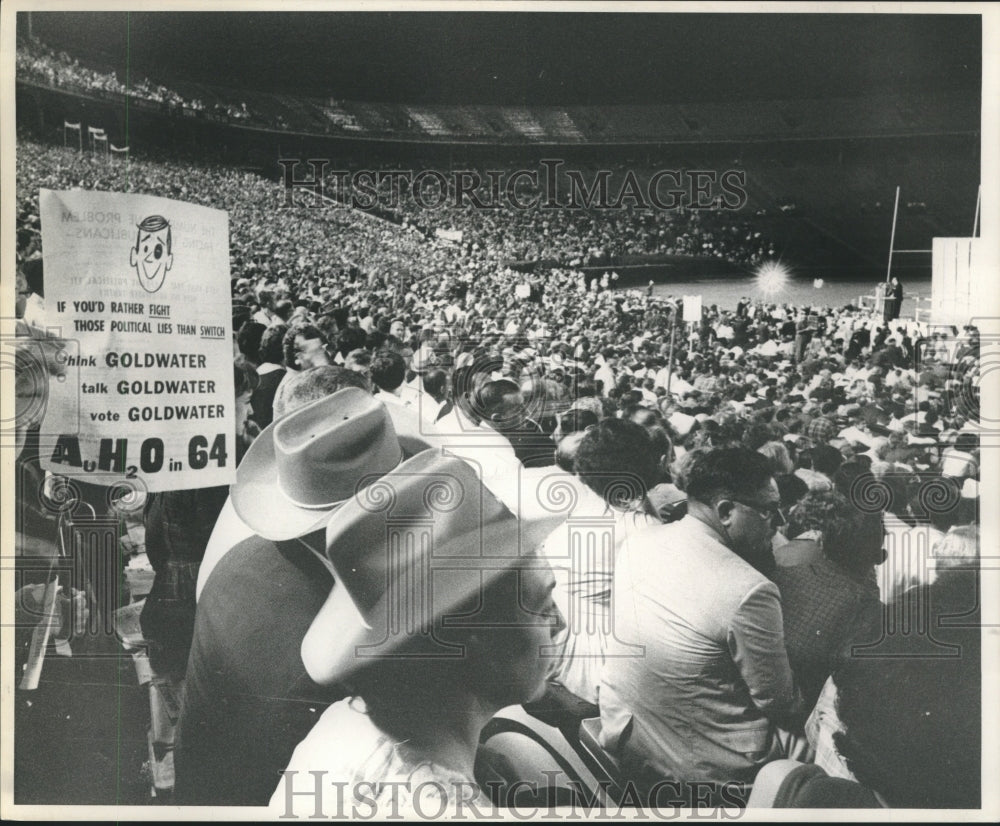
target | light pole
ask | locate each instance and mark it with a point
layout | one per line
(673, 334)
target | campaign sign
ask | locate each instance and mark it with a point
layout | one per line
(692, 308)
(139, 288)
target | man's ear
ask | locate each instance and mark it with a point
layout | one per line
(132, 256)
(724, 510)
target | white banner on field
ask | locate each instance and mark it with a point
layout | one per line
(453, 235)
(139, 287)
(692, 308)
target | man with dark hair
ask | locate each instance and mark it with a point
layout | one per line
(375, 340)
(500, 402)
(616, 467)
(350, 338)
(823, 428)
(503, 406)
(616, 460)
(566, 450)
(266, 314)
(960, 462)
(468, 427)
(572, 421)
(826, 459)
(283, 309)
(271, 371)
(705, 701)
(388, 369)
(805, 469)
(435, 384)
(248, 341)
(434, 404)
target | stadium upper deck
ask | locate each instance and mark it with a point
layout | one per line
(935, 112)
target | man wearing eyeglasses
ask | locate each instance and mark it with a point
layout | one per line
(708, 700)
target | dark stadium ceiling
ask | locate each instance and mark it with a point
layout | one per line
(540, 58)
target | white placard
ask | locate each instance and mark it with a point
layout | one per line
(138, 286)
(692, 308)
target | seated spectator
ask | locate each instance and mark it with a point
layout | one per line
(822, 428)
(502, 406)
(261, 584)
(777, 454)
(615, 463)
(706, 699)
(388, 370)
(915, 524)
(284, 309)
(434, 402)
(960, 461)
(573, 421)
(178, 525)
(348, 339)
(360, 361)
(469, 436)
(248, 340)
(270, 371)
(566, 450)
(304, 347)
(807, 472)
(807, 521)
(906, 729)
(832, 602)
(413, 715)
(266, 314)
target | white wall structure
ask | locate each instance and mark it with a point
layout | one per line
(958, 281)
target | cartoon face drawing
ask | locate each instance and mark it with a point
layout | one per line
(151, 254)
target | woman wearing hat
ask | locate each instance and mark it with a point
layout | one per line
(441, 616)
(263, 579)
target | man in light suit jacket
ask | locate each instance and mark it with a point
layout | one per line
(703, 702)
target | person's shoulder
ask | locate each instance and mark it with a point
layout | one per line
(806, 785)
(257, 568)
(271, 378)
(815, 573)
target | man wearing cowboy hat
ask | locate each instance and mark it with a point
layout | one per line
(248, 699)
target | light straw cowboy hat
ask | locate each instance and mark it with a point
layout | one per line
(305, 465)
(407, 550)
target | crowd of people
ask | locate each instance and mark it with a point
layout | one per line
(316, 246)
(702, 534)
(41, 64)
(578, 237)
(37, 62)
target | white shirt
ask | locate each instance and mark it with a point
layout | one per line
(582, 553)
(958, 464)
(605, 375)
(266, 317)
(348, 747)
(489, 453)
